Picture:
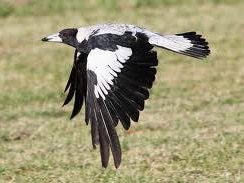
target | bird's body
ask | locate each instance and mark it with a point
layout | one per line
(113, 70)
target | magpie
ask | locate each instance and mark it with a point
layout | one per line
(113, 69)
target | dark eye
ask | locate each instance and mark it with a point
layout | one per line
(64, 35)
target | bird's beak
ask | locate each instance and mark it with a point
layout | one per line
(53, 38)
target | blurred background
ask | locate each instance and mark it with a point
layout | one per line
(192, 129)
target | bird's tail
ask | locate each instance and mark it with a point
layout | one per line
(189, 43)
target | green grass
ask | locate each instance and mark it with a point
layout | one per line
(192, 129)
(46, 7)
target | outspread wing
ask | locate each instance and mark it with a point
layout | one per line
(120, 72)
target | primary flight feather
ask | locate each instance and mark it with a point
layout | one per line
(114, 68)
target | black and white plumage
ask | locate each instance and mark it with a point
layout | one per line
(113, 70)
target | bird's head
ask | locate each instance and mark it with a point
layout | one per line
(67, 36)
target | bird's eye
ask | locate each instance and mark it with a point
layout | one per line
(64, 35)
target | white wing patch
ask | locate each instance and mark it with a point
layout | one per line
(106, 64)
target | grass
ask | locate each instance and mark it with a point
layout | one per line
(61, 7)
(192, 129)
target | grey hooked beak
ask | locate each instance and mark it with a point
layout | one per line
(53, 38)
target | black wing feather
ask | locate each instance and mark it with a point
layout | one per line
(77, 82)
(113, 104)
(103, 137)
(106, 128)
(71, 91)
(133, 96)
(111, 133)
(71, 78)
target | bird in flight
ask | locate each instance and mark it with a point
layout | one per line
(114, 68)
